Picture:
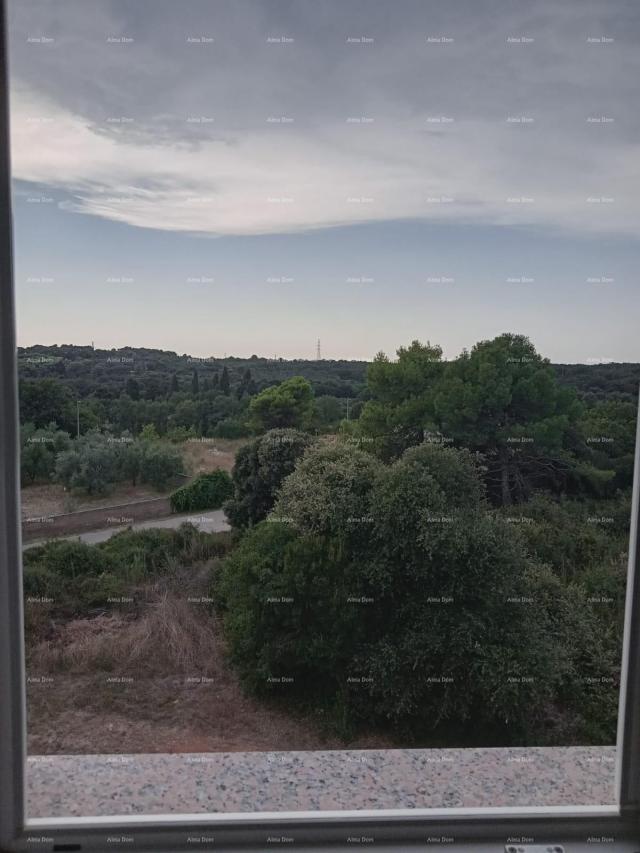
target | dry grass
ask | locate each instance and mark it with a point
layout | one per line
(202, 457)
(156, 682)
(170, 636)
(154, 679)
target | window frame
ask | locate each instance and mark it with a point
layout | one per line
(401, 828)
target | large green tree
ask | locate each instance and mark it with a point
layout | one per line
(503, 399)
(289, 404)
(401, 409)
(394, 595)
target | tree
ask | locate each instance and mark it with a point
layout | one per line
(91, 464)
(329, 410)
(225, 387)
(130, 461)
(259, 470)
(215, 382)
(195, 383)
(149, 433)
(399, 602)
(289, 404)
(39, 448)
(45, 401)
(246, 383)
(504, 400)
(174, 384)
(609, 430)
(132, 389)
(159, 465)
(96, 462)
(402, 409)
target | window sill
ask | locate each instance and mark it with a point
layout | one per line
(152, 784)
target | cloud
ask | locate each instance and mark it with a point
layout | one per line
(248, 141)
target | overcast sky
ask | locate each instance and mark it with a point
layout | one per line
(224, 176)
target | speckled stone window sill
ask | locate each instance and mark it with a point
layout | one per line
(91, 785)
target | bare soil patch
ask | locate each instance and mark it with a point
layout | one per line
(210, 454)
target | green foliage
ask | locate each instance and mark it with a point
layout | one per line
(231, 428)
(393, 595)
(329, 411)
(91, 464)
(207, 491)
(289, 404)
(401, 411)
(180, 434)
(330, 491)
(39, 448)
(572, 536)
(225, 384)
(504, 400)
(45, 401)
(132, 389)
(159, 465)
(94, 463)
(149, 433)
(609, 429)
(259, 470)
(70, 577)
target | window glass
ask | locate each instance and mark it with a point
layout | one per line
(328, 389)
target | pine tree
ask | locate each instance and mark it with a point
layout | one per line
(195, 383)
(132, 389)
(174, 384)
(225, 385)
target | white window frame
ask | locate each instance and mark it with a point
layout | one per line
(477, 829)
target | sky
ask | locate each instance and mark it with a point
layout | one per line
(249, 176)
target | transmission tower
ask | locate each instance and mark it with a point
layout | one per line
(318, 356)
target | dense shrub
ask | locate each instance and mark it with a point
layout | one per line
(69, 577)
(259, 470)
(393, 595)
(207, 491)
(572, 535)
(39, 448)
(159, 465)
(231, 428)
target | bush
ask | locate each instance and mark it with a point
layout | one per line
(159, 465)
(231, 428)
(39, 448)
(572, 535)
(393, 595)
(207, 491)
(77, 576)
(259, 470)
(91, 464)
